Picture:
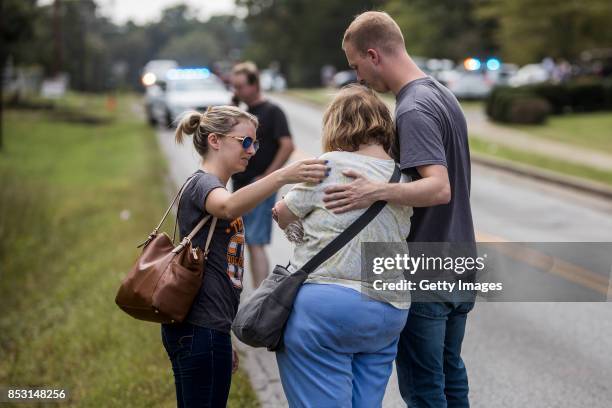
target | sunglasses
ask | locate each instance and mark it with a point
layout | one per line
(247, 141)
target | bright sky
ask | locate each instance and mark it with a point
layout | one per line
(143, 11)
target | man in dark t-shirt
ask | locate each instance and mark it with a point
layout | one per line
(432, 148)
(274, 151)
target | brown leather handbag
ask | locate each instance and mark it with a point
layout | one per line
(164, 281)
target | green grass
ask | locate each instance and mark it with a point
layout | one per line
(589, 130)
(65, 248)
(480, 145)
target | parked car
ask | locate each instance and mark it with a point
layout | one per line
(448, 76)
(502, 75)
(153, 72)
(468, 84)
(156, 70)
(529, 74)
(187, 89)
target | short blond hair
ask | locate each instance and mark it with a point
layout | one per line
(355, 117)
(374, 29)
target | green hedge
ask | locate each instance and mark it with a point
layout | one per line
(532, 103)
(516, 106)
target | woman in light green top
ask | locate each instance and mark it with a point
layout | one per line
(340, 345)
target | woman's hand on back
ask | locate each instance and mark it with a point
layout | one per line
(305, 171)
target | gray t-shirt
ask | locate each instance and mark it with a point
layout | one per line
(217, 301)
(431, 129)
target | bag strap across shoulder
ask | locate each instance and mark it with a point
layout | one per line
(348, 234)
(193, 233)
(195, 230)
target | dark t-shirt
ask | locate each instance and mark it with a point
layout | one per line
(272, 126)
(431, 129)
(216, 304)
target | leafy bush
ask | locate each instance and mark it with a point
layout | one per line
(556, 95)
(586, 97)
(528, 110)
(507, 104)
(514, 105)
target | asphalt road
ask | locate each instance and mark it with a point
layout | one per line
(517, 354)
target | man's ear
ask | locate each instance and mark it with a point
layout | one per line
(373, 56)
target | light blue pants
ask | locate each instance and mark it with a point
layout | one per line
(338, 348)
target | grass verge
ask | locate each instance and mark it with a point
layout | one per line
(75, 200)
(480, 145)
(588, 130)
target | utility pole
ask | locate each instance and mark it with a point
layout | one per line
(58, 61)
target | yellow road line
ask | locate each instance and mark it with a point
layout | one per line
(550, 264)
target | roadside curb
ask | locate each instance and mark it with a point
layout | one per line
(572, 182)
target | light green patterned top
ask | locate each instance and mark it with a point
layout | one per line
(321, 225)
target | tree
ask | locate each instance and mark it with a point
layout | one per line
(531, 30)
(301, 35)
(16, 18)
(198, 48)
(442, 28)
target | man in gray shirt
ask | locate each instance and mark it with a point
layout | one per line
(433, 149)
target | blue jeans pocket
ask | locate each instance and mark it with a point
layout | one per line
(178, 339)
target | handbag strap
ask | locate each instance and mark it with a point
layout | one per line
(176, 197)
(193, 233)
(349, 233)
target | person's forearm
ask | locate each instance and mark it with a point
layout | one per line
(250, 196)
(281, 157)
(284, 214)
(425, 192)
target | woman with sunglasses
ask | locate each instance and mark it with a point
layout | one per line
(200, 348)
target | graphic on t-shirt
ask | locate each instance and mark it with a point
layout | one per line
(235, 253)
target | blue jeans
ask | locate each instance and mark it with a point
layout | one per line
(258, 223)
(202, 364)
(338, 348)
(430, 371)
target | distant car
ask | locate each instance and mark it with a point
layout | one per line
(529, 74)
(272, 81)
(187, 89)
(502, 75)
(468, 84)
(156, 70)
(448, 76)
(344, 78)
(153, 72)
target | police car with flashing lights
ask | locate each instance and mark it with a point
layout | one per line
(187, 89)
(153, 72)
